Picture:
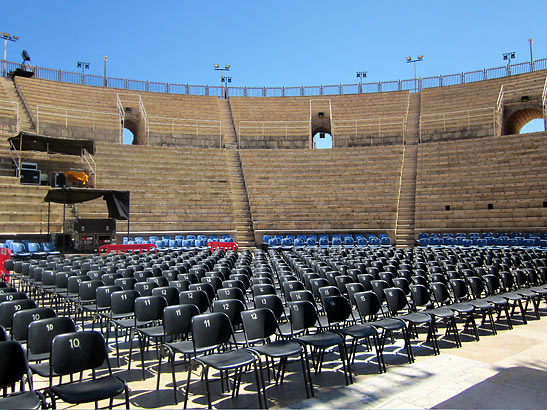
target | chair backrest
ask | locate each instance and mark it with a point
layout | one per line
(378, 287)
(177, 319)
(170, 293)
(87, 290)
(195, 297)
(42, 332)
(7, 296)
(10, 307)
(3, 334)
(123, 301)
(13, 363)
(368, 304)
(263, 289)
(303, 315)
(211, 329)
(232, 307)
(396, 300)
(145, 288)
(230, 293)
(23, 318)
(104, 294)
(206, 287)
(402, 284)
(420, 295)
(440, 293)
(272, 302)
(258, 324)
(327, 291)
(337, 308)
(459, 288)
(352, 289)
(296, 295)
(149, 308)
(78, 351)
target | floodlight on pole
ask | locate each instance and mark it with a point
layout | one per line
(84, 66)
(411, 60)
(7, 37)
(105, 84)
(531, 41)
(508, 57)
(223, 79)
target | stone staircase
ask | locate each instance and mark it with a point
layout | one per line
(242, 211)
(25, 122)
(404, 231)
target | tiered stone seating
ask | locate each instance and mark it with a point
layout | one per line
(282, 122)
(466, 110)
(508, 172)
(172, 189)
(71, 110)
(183, 120)
(322, 190)
(8, 113)
(369, 119)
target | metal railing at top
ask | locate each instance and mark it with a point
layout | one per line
(206, 90)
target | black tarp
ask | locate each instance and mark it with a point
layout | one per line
(52, 145)
(116, 201)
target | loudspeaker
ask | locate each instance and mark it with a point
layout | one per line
(29, 165)
(58, 180)
(30, 176)
(94, 226)
(25, 55)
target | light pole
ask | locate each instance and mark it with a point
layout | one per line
(360, 76)
(84, 66)
(507, 57)
(531, 55)
(224, 80)
(6, 37)
(410, 60)
(105, 84)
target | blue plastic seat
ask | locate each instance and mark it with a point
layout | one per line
(423, 241)
(324, 242)
(385, 241)
(362, 242)
(349, 242)
(311, 242)
(298, 243)
(336, 241)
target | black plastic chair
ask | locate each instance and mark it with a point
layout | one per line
(338, 311)
(177, 322)
(420, 297)
(304, 318)
(480, 291)
(148, 324)
(170, 293)
(77, 352)
(213, 330)
(40, 337)
(122, 311)
(461, 294)
(443, 299)
(397, 301)
(260, 326)
(14, 369)
(369, 306)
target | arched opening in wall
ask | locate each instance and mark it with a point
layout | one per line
(322, 140)
(128, 137)
(536, 125)
(516, 121)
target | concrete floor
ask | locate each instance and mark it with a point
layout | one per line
(508, 370)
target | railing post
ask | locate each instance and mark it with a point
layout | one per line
(340, 89)
(264, 92)
(399, 85)
(301, 90)
(244, 91)
(379, 86)
(283, 91)
(187, 89)
(320, 90)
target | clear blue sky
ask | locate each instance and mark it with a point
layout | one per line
(280, 43)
